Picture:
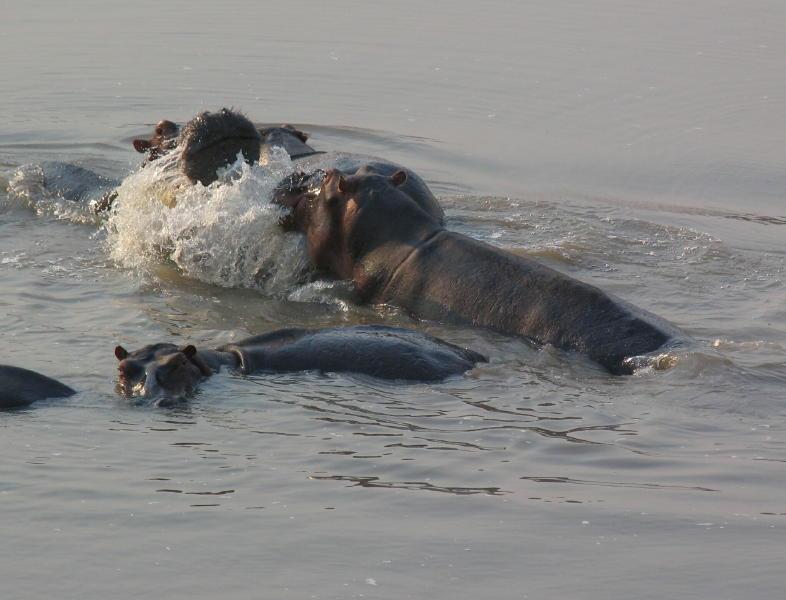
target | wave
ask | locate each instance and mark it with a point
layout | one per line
(226, 234)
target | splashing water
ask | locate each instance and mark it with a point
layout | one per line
(28, 187)
(227, 233)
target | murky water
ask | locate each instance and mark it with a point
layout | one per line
(637, 146)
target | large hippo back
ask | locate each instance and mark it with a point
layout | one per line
(375, 350)
(352, 164)
(452, 277)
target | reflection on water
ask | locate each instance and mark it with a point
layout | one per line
(374, 482)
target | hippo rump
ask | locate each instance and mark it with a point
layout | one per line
(378, 351)
(363, 228)
(21, 387)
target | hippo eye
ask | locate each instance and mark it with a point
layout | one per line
(159, 131)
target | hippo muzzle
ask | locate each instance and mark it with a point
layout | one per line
(162, 372)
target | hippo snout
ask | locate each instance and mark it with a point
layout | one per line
(130, 371)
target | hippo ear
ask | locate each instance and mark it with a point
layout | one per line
(346, 186)
(190, 351)
(398, 178)
(141, 145)
(120, 352)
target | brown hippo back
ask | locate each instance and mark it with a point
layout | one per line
(452, 277)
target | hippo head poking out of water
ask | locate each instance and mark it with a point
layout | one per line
(208, 142)
(163, 140)
(162, 371)
(212, 140)
(344, 217)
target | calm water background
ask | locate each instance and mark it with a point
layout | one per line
(639, 146)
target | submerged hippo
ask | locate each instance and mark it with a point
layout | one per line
(20, 387)
(375, 350)
(363, 228)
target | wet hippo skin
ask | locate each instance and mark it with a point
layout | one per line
(375, 350)
(314, 163)
(21, 387)
(364, 228)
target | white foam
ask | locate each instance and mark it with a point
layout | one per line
(27, 188)
(227, 233)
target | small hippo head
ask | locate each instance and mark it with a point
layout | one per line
(163, 140)
(349, 216)
(212, 140)
(163, 371)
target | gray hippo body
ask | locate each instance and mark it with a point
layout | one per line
(377, 351)
(21, 387)
(51, 179)
(74, 183)
(374, 350)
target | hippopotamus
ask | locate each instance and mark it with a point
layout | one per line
(20, 387)
(379, 351)
(363, 228)
(163, 140)
(206, 143)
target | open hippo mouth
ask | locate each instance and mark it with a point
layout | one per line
(212, 140)
(295, 192)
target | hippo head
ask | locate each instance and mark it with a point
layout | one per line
(162, 371)
(163, 140)
(212, 140)
(347, 217)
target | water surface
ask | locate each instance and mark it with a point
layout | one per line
(636, 146)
